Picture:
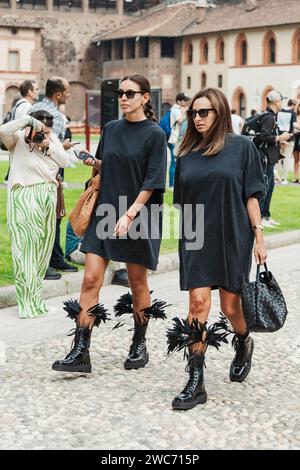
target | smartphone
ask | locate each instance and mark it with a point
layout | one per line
(82, 155)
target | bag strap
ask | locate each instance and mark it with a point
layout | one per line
(258, 270)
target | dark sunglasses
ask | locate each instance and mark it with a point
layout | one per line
(130, 94)
(203, 113)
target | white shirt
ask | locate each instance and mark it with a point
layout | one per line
(237, 123)
(28, 168)
(22, 109)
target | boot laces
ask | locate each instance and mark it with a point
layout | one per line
(239, 347)
(193, 378)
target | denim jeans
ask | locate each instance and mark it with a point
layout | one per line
(265, 202)
(172, 166)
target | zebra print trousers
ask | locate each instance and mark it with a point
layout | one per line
(31, 218)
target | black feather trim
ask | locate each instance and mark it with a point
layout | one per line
(217, 332)
(156, 310)
(183, 335)
(118, 325)
(73, 308)
(99, 313)
(124, 305)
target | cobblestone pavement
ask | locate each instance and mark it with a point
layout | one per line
(117, 409)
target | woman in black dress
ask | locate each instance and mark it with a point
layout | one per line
(131, 158)
(218, 182)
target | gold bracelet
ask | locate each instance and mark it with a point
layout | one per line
(254, 227)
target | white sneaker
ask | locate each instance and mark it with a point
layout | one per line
(267, 224)
(284, 182)
(273, 222)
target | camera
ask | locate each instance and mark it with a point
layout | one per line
(38, 138)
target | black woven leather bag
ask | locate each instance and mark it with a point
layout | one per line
(263, 303)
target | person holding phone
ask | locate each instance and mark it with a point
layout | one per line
(126, 225)
(35, 155)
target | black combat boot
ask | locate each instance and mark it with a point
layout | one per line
(185, 336)
(78, 359)
(241, 364)
(194, 392)
(138, 355)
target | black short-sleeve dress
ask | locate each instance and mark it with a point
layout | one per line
(214, 191)
(134, 157)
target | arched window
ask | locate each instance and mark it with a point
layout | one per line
(264, 95)
(241, 50)
(269, 49)
(204, 51)
(296, 47)
(239, 102)
(188, 53)
(203, 80)
(220, 50)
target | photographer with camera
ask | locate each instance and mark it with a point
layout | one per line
(36, 154)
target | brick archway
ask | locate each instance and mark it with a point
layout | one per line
(269, 48)
(264, 95)
(296, 47)
(204, 50)
(220, 50)
(241, 50)
(239, 102)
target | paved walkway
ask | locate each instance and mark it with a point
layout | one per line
(117, 409)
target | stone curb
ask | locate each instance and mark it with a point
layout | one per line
(70, 283)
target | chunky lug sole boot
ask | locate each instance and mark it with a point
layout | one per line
(78, 359)
(138, 355)
(241, 364)
(194, 392)
(187, 336)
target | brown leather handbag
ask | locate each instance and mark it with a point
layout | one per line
(81, 215)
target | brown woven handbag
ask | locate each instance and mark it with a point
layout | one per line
(81, 215)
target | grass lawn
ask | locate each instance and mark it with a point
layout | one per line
(285, 208)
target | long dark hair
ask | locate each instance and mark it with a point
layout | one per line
(144, 85)
(214, 140)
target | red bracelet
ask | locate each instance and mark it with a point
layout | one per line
(129, 217)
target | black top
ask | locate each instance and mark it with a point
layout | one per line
(134, 156)
(268, 133)
(222, 184)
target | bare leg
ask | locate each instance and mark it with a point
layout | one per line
(95, 268)
(138, 280)
(231, 306)
(199, 307)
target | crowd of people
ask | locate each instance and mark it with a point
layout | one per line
(212, 169)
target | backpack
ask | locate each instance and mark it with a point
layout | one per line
(165, 124)
(10, 116)
(251, 127)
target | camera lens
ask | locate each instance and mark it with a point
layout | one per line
(39, 137)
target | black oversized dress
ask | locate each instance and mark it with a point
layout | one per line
(214, 191)
(134, 157)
